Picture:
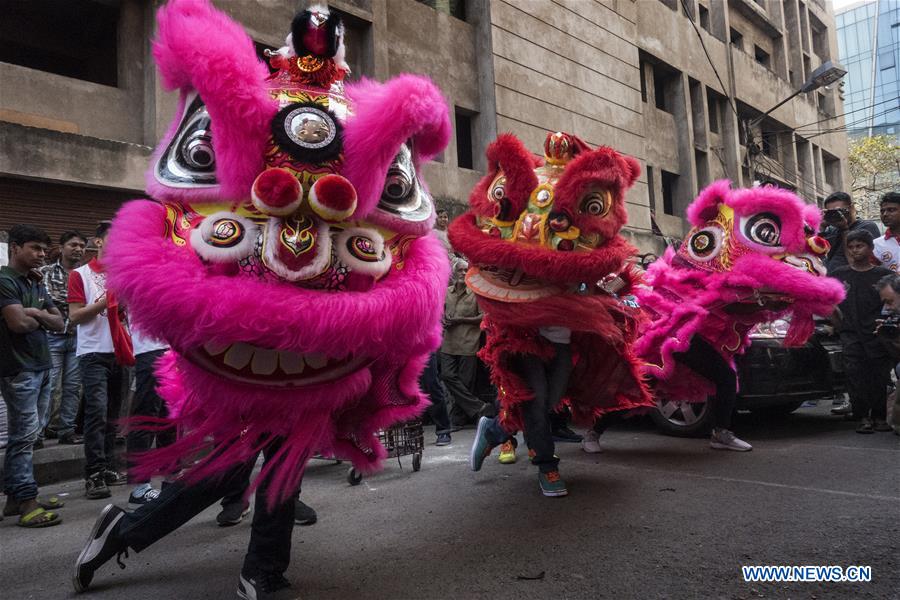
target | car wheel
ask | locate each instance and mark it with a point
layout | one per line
(682, 419)
(779, 410)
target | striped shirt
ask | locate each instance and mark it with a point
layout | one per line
(56, 280)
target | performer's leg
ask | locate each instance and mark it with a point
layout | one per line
(176, 505)
(705, 361)
(534, 412)
(270, 538)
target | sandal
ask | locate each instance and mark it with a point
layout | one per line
(39, 518)
(12, 507)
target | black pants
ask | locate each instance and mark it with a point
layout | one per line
(458, 374)
(431, 384)
(270, 536)
(548, 382)
(868, 375)
(101, 377)
(146, 403)
(706, 362)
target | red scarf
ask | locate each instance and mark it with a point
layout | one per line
(121, 337)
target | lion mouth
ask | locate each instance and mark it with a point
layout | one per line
(508, 285)
(246, 363)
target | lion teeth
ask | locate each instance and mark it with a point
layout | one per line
(316, 361)
(216, 348)
(239, 355)
(264, 362)
(291, 363)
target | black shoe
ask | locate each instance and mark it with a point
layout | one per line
(112, 477)
(564, 434)
(102, 545)
(443, 439)
(50, 434)
(95, 487)
(304, 514)
(232, 514)
(70, 439)
(265, 586)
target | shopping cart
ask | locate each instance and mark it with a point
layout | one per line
(403, 439)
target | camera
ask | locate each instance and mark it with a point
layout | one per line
(890, 327)
(836, 215)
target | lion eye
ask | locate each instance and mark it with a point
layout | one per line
(498, 191)
(596, 204)
(764, 229)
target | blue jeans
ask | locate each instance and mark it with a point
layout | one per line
(102, 378)
(24, 394)
(65, 382)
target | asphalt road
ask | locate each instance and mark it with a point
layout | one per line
(652, 517)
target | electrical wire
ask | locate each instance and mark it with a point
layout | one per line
(709, 58)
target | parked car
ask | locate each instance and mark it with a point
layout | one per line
(772, 379)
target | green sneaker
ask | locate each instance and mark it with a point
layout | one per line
(481, 448)
(552, 484)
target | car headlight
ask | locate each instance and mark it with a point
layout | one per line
(774, 330)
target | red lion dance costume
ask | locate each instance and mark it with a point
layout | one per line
(751, 257)
(543, 239)
(286, 255)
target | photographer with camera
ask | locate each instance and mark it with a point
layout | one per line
(867, 362)
(887, 247)
(839, 220)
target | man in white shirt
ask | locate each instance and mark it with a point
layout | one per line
(887, 247)
(99, 330)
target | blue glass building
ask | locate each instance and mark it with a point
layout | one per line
(869, 44)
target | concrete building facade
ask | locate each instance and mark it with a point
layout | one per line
(671, 82)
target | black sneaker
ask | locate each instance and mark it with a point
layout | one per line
(265, 586)
(564, 434)
(304, 514)
(443, 439)
(112, 477)
(232, 514)
(95, 487)
(135, 502)
(102, 545)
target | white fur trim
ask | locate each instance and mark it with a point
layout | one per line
(327, 213)
(202, 239)
(322, 249)
(376, 269)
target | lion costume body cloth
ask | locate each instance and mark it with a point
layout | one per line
(543, 239)
(751, 257)
(286, 255)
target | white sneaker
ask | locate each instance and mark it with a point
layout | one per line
(723, 439)
(591, 442)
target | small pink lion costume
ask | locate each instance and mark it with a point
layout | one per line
(752, 256)
(286, 257)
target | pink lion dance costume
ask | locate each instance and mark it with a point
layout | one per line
(752, 256)
(286, 257)
(543, 239)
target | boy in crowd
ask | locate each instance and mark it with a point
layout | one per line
(866, 360)
(27, 310)
(65, 376)
(100, 330)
